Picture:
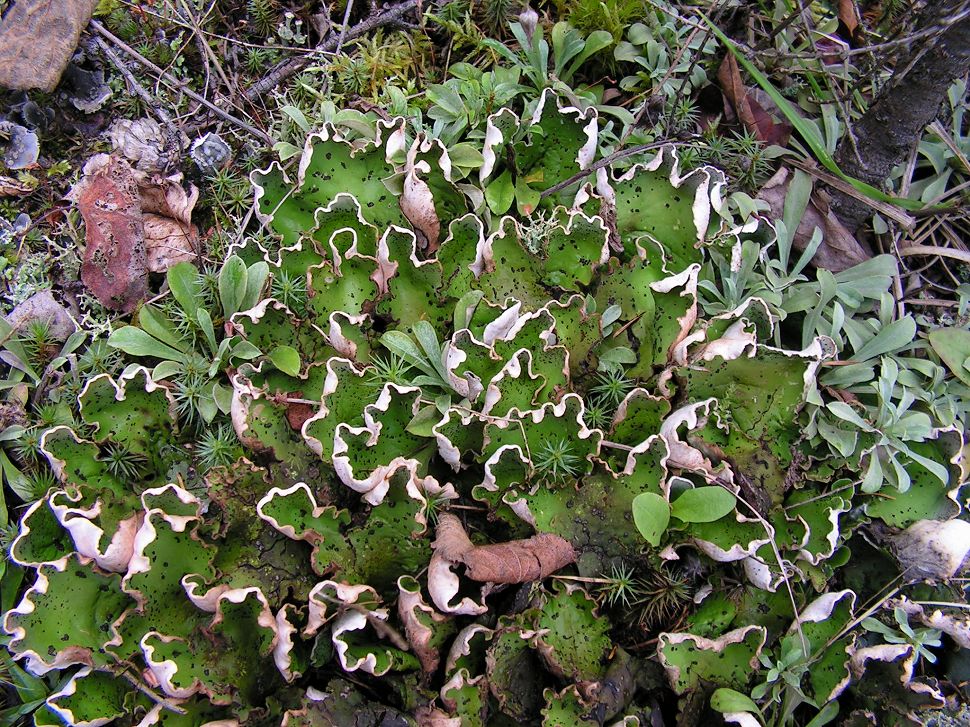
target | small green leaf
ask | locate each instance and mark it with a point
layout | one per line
(892, 338)
(286, 359)
(726, 700)
(156, 324)
(16, 479)
(233, 281)
(465, 156)
(617, 357)
(207, 408)
(135, 342)
(166, 369)
(526, 198)
(952, 345)
(184, 282)
(205, 323)
(465, 308)
(825, 715)
(244, 350)
(500, 193)
(651, 515)
(285, 150)
(423, 422)
(703, 504)
(443, 403)
(297, 116)
(398, 342)
(255, 280)
(222, 395)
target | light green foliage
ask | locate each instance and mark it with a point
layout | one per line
(659, 50)
(188, 343)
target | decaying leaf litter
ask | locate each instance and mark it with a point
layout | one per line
(485, 395)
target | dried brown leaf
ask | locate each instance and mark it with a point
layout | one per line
(135, 224)
(417, 202)
(168, 242)
(37, 39)
(115, 265)
(849, 17)
(751, 114)
(170, 236)
(517, 561)
(839, 249)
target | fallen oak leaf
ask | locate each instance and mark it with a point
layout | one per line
(517, 561)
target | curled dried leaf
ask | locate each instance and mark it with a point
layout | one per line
(517, 561)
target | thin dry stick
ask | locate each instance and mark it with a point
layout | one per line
(234, 41)
(166, 76)
(769, 531)
(904, 42)
(789, 19)
(904, 220)
(149, 100)
(343, 27)
(295, 65)
(949, 252)
(932, 302)
(197, 30)
(381, 626)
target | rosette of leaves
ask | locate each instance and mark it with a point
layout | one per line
(447, 404)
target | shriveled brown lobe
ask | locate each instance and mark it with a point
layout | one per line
(516, 561)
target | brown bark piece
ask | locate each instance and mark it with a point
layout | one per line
(298, 412)
(37, 39)
(115, 265)
(517, 561)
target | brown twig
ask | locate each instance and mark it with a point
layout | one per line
(178, 84)
(891, 211)
(133, 84)
(961, 255)
(207, 53)
(294, 65)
